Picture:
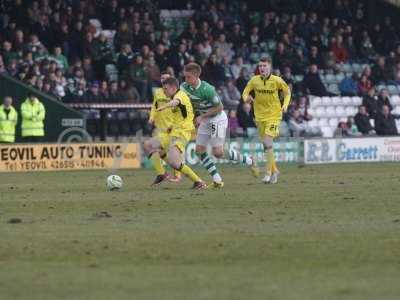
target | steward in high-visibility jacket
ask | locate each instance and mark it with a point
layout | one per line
(33, 114)
(8, 121)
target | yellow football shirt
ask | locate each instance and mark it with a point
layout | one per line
(267, 105)
(183, 113)
(162, 119)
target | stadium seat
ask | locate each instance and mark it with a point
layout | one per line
(340, 111)
(334, 88)
(330, 78)
(349, 111)
(320, 111)
(392, 89)
(346, 101)
(395, 100)
(333, 122)
(357, 68)
(330, 111)
(336, 100)
(339, 77)
(313, 123)
(380, 87)
(356, 101)
(346, 68)
(326, 101)
(323, 122)
(315, 101)
(327, 131)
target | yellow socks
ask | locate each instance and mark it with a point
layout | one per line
(275, 167)
(157, 163)
(270, 164)
(189, 173)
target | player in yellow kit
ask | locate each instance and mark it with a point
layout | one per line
(180, 134)
(268, 111)
(162, 121)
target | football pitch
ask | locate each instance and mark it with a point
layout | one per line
(322, 232)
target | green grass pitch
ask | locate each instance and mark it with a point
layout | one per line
(323, 232)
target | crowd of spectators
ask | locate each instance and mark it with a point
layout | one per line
(57, 47)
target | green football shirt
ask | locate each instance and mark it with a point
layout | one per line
(203, 97)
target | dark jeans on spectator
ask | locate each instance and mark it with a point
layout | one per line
(32, 139)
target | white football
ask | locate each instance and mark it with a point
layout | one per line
(114, 182)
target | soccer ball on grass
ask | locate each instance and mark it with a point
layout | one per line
(114, 182)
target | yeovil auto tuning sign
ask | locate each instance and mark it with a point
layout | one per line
(50, 157)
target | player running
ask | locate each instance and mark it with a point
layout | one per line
(162, 120)
(211, 119)
(180, 133)
(268, 111)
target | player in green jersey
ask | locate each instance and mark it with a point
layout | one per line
(211, 119)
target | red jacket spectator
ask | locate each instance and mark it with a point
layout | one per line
(339, 50)
(364, 85)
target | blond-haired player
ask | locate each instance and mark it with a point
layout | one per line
(268, 111)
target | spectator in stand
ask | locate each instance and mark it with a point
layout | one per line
(60, 58)
(230, 95)
(123, 36)
(349, 86)
(362, 121)
(300, 128)
(125, 59)
(315, 57)
(300, 62)
(345, 129)
(385, 123)
(104, 54)
(313, 84)
(245, 116)
(242, 80)
(384, 99)
(237, 66)
(381, 73)
(302, 107)
(93, 95)
(364, 85)
(224, 47)
(233, 124)
(129, 92)
(370, 102)
(139, 77)
(114, 94)
(213, 71)
(282, 57)
(103, 90)
(178, 58)
(338, 49)
(367, 51)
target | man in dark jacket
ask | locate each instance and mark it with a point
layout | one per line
(362, 121)
(383, 99)
(371, 104)
(385, 122)
(245, 117)
(313, 84)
